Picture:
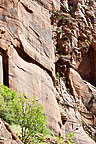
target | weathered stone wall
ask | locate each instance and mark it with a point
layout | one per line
(75, 40)
(26, 40)
(30, 53)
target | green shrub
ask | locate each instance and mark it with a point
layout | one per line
(31, 118)
(60, 140)
(27, 117)
(6, 96)
(24, 112)
(70, 8)
(70, 138)
(94, 96)
(57, 75)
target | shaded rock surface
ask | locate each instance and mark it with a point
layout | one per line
(74, 28)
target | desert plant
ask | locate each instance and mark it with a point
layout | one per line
(24, 112)
(70, 138)
(6, 96)
(31, 118)
(70, 8)
(57, 75)
(94, 96)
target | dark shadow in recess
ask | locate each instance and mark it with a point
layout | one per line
(5, 67)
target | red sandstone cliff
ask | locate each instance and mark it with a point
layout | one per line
(37, 44)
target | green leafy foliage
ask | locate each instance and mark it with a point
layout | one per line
(59, 140)
(70, 8)
(94, 96)
(26, 113)
(70, 138)
(6, 96)
(57, 75)
(26, 116)
(31, 118)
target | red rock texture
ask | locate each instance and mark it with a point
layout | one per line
(27, 53)
(74, 37)
(36, 43)
(6, 134)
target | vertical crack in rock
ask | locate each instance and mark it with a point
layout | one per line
(26, 8)
(5, 67)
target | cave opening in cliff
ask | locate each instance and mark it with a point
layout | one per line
(4, 68)
(86, 67)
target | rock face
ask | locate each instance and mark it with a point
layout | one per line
(6, 135)
(27, 53)
(74, 37)
(31, 54)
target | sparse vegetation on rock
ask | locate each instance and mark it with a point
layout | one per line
(25, 112)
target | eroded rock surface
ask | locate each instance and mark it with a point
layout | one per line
(6, 134)
(27, 52)
(31, 53)
(74, 37)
